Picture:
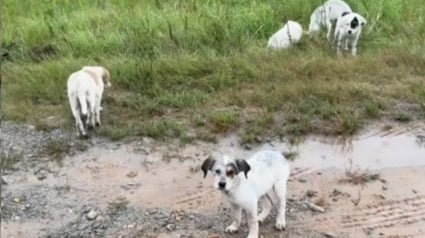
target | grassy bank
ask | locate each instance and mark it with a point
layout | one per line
(196, 69)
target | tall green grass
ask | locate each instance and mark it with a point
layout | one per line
(189, 67)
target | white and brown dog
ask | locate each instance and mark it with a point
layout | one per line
(324, 15)
(286, 36)
(244, 183)
(348, 29)
(85, 90)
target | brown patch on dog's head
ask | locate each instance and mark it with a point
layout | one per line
(106, 76)
(207, 165)
(231, 170)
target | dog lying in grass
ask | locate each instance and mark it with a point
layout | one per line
(85, 89)
(348, 29)
(286, 36)
(244, 183)
(324, 15)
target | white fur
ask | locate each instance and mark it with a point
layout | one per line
(266, 179)
(323, 16)
(85, 88)
(286, 36)
(345, 32)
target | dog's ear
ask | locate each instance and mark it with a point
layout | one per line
(243, 166)
(207, 165)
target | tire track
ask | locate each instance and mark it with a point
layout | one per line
(383, 215)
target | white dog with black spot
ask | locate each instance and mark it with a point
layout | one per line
(325, 14)
(348, 30)
(262, 178)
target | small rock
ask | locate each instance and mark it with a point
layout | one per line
(414, 191)
(132, 174)
(3, 182)
(41, 173)
(100, 218)
(384, 188)
(214, 236)
(311, 193)
(329, 235)
(314, 207)
(302, 180)
(170, 227)
(91, 215)
(17, 200)
(131, 226)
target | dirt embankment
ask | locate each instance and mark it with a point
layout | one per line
(370, 186)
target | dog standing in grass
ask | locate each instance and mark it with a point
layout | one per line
(324, 15)
(286, 36)
(348, 29)
(85, 89)
(244, 183)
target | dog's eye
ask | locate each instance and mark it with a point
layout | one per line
(217, 172)
(230, 173)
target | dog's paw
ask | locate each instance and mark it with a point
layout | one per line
(232, 229)
(261, 220)
(280, 226)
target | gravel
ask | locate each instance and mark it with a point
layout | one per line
(68, 215)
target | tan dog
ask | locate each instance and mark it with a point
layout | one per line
(85, 90)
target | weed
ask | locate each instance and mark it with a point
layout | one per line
(401, 117)
(223, 120)
(321, 201)
(292, 155)
(117, 205)
(57, 150)
(358, 177)
(8, 161)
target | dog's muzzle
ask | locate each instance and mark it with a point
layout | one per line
(349, 32)
(221, 185)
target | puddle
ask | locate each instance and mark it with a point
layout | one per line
(378, 149)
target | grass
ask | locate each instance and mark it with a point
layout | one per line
(9, 161)
(57, 150)
(194, 70)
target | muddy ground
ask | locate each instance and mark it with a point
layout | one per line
(369, 186)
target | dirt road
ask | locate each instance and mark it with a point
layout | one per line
(369, 186)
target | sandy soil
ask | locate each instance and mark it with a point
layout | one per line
(165, 195)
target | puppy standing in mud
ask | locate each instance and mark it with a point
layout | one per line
(244, 183)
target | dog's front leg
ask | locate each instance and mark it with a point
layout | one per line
(338, 46)
(354, 45)
(329, 29)
(252, 221)
(237, 213)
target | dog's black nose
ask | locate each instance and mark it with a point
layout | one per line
(221, 184)
(349, 32)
